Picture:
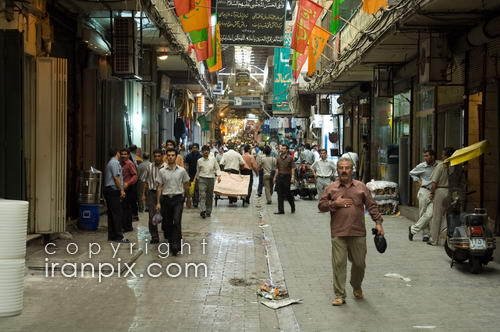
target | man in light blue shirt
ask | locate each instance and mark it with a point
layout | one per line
(422, 174)
(113, 194)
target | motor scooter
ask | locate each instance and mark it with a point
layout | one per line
(306, 184)
(468, 237)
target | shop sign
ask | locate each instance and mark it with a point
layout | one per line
(252, 22)
(282, 78)
(246, 102)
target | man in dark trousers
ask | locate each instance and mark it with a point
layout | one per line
(152, 173)
(190, 163)
(285, 175)
(129, 172)
(173, 182)
(346, 200)
(113, 194)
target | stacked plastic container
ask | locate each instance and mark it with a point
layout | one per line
(13, 226)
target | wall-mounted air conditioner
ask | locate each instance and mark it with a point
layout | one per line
(125, 48)
(434, 60)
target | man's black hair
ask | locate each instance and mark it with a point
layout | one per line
(431, 152)
(157, 151)
(145, 155)
(205, 147)
(169, 150)
(112, 152)
(448, 151)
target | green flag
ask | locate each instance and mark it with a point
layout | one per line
(198, 36)
(335, 18)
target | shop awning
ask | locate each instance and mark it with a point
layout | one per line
(470, 152)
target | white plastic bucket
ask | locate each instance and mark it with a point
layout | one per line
(11, 286)
(13, 228)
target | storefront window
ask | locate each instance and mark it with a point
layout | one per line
(401, 126)
(425, 129)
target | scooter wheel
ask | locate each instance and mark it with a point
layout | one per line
(475, 265)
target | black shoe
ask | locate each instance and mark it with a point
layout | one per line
(154, 241)
(279, 212)
(203, 215)
(269, 203)
(410, 234)
(425, 238)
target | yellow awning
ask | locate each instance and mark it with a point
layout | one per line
(470, 152)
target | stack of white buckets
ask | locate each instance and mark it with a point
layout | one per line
(13, 226)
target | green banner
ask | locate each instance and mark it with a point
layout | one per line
(282, 78)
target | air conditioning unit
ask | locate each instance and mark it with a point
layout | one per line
(382, 81)
(125, 48)
(434, 60)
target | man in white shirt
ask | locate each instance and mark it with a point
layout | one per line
(324, 171)
(232, 162)
(207, 170)
(173, 182)
(422, 174)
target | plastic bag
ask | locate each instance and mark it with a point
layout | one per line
(157, 218)
(192, 187)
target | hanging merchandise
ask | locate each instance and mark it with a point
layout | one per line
(179, 129)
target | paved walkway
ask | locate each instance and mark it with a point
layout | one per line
(238, 256)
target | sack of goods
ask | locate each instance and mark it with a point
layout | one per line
(386, 195)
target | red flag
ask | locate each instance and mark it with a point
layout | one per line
(307, 15)
(184, 6)
(201, 50)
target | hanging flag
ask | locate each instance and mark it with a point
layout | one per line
(372, 6)
(214, 63)
(201, 50)
(183, 7)
(317, 42)
(197, 36)
(335, 19)
(298, 61)
(198, 18)
(307, 15)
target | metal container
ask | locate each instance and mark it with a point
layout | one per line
(90, 186)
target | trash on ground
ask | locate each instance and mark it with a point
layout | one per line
(397, 276)
(272, 292)
(264, 225)
(279, 303)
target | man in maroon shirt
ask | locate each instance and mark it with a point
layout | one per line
(129, 173)
(346, 199)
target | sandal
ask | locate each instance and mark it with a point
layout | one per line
(338, 301)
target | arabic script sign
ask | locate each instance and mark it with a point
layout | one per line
(282, 78)
(252, 22)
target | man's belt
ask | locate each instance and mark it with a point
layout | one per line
(171, 195)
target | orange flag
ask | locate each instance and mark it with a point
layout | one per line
(372, 6)
(201, 50)
(317, 42)
(215, 62)
(198, 18)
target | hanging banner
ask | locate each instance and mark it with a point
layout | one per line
(198, 18)
(184, 6)
(317, 42)
(252, 22)
(373, 6)
(282, 78)
(299, 59)
(307, 15)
